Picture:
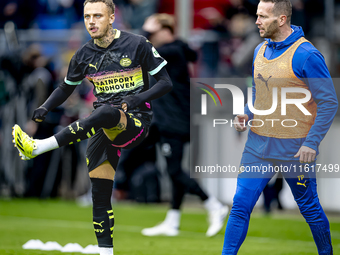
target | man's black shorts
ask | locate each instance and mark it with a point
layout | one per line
(101, 148)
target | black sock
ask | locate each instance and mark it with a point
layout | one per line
(103, 220)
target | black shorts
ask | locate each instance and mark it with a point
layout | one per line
(101, 148)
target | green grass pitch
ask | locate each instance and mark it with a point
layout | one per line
(65, 222)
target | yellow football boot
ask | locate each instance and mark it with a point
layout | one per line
(23, 143)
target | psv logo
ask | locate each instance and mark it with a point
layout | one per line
(125, 61)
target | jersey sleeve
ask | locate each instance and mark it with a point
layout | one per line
(74, 74)
(322, 88)
(150, 58)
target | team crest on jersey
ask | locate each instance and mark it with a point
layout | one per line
(125, 61)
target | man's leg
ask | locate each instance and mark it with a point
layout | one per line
(103, 219)
(105, 116)
(304, 189)
(249, 188)
(170, 225)
(172, 149)
(102, 159)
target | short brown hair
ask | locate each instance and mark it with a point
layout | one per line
(109, 4)
(281, 7)
(166, 20)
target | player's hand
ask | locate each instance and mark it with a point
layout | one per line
(130, 103)
(39, 114)
(124, 107)
(306, 154)
(240, 122)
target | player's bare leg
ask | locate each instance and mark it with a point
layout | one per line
(104, 171)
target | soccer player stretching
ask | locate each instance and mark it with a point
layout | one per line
(285, 60)
(117, 63)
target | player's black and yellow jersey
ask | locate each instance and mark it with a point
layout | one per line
(117, 71)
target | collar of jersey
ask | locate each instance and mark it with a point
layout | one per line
(289, 41)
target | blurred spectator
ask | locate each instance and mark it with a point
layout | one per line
(27, 81)
(134, 12)
(237, 51)
(172, 121)
(209, 16)
(313, 11)
(208, 21)
(21, 12)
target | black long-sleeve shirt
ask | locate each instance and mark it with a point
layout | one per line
(172, 111)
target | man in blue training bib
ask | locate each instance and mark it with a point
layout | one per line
(285, 60)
